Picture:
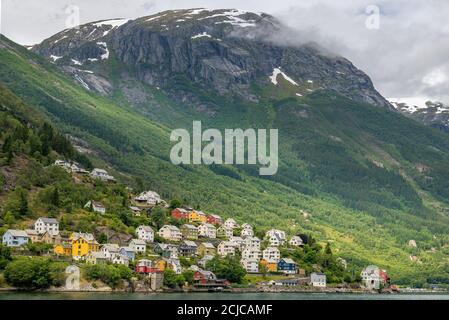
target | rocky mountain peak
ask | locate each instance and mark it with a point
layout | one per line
(227, 50)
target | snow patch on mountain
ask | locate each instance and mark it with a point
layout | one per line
(276, 72)
(114, 23)
(201, 35)
(55, 58)
(104, 46)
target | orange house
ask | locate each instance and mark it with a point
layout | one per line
(197, 216)
(271, 266)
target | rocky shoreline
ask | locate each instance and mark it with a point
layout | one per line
(230, 290)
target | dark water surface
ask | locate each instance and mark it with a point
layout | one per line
(217, 296)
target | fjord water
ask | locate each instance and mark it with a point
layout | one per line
(217, 296)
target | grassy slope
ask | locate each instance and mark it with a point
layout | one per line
(140, 146)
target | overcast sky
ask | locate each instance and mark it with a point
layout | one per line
(406, 56)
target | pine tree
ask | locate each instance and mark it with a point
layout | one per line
(23, 203)
(54, 199)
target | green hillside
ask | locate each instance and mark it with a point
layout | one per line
(351, 166)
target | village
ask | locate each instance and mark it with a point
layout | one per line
(197, 238)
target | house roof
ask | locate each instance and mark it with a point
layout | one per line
(208, 245)
(146, 228)
(208, 225)
(31, 232)
(97, 204)
(189, 226)
(271, 249)
(48, 220)
(227, 243)
(86, 236)
(97, 170)
(97, 255)
(190, 243)
(288, 260)
(137, 241)
(18, 233)
(170, 226)
(216, 216)
(112, 247)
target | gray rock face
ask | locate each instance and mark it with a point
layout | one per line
(434, 114)
(224, 50)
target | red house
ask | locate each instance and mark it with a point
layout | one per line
(214, 219)
(146, 266)
(208, 279)
(180, 213)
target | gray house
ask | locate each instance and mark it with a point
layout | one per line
(318, 279)
(15, 238)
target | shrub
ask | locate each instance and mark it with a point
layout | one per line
(34, 273)
(112, 275)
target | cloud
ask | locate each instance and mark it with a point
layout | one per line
(406, 56)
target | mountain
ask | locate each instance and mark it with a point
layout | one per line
(352, 171)
(227, 50)
(431, 113)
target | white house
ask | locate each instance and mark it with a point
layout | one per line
(252, 242)
(15, 238)
(250, 253)
(230, 223)
(175, 265)
(318, 279)
(296, 241)
(248, 232)
(170, 232)
(237, 241)
(145, 233)
(150, 198)
(138, 245)
(207, 230)
(49, 225)
(250, 265)
(226, 248)
(225, 232)
(120, 259)
(96, 206)
(275, 240)
(110, 250)
(101, 174)
(279, 233)
(246, 226)
(271, 254)
(75, 168)
(64, 165)
(373, 277)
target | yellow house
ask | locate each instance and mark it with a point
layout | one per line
(197, 216)
(271, 266)
(82, 244)
(64, 249)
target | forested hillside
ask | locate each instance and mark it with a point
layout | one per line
(350, 173)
